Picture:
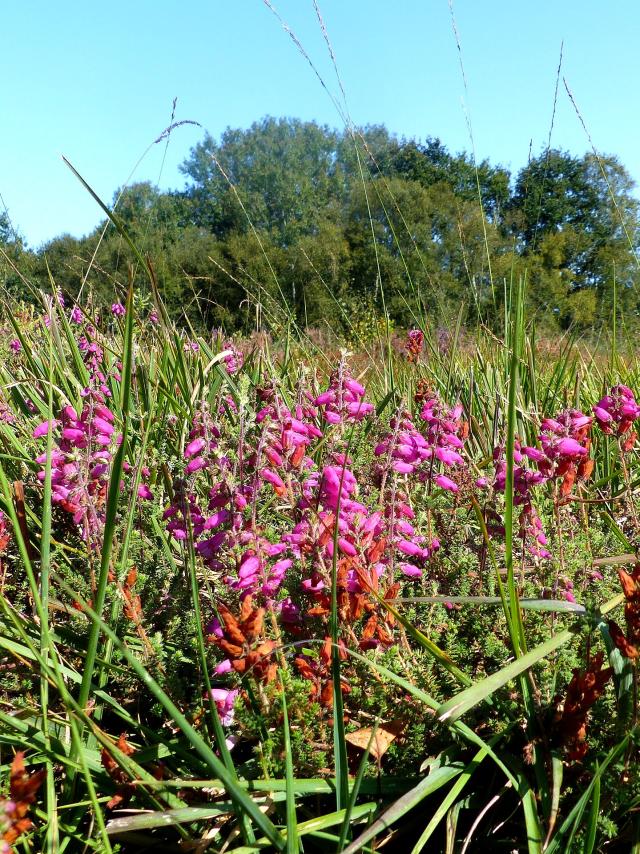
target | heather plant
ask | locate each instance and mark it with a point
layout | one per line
(251, 601)
(264, 597)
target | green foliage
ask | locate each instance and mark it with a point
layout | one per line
(284, 227)
(296, 217)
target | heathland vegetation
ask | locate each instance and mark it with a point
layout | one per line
(319, 519)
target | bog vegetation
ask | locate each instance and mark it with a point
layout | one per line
(321, 228)
(300, 591)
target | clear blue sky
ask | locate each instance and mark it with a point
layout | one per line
(96, 82)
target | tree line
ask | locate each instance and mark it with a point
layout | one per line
(293, 219)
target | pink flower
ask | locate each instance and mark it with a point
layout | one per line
(617, 411)
(570, 448)
(224, 700)
(410, 570)
(80, 463)
(15, 345)
(234, 359)
(118, 310)
(195, 464)
(445, 482)
(43, 428)
(194, 447)
(343, 400)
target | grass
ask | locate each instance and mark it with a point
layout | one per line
(112, 698)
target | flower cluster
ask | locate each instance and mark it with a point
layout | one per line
(565, 448)
(234, 359)
(405, 447)
(344, 399)
(445, 434)
(14, 810)
(414, 345)
(80, 462)
(530, 533)
(616, 412)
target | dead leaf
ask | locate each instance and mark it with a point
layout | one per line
(381, 742)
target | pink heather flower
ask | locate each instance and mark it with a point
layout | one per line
(346, 547)
(194, 447)
(410, 570)
(224, 700)
(153, 317)
(118, 310)
(191, 346)
(565, 445)
(195, 464)
(80, 480)
(445, 482)
(343, 400)
(617, 411)
(274, 479)
(43, 428)
(15, 345)
(524, 479)
(289, 612)
(445, 427)
(570, 448)
(144, 492)
(234, 359)
(76, 315)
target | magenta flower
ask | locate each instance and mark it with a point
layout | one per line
(445, 482)
(617, 411)
(344, 399)
(234, 359)
(224, 700)
(524, 481)
(80, 463)
(15, 345)
(43, 428)
(76, 315)
(118, 310)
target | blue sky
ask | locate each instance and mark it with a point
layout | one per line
(96, 82)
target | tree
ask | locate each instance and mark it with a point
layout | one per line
(430, 163)
(582, 211)
(285, 172)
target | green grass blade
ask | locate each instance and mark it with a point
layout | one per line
(293, 846)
